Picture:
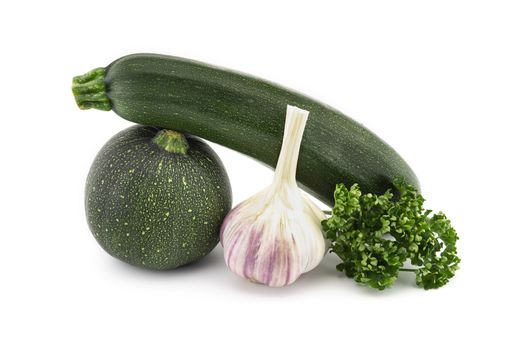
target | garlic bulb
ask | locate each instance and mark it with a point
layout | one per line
(275, 236)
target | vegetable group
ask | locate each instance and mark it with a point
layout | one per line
(156, 198)
(246, 114)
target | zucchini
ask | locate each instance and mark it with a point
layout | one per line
(246, 114)
(155, 198)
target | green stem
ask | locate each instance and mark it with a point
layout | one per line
(408, 270)
(171, 141)
(90, 90)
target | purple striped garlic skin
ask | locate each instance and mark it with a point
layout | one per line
(266, 240)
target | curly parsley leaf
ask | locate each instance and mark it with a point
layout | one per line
(374, 235)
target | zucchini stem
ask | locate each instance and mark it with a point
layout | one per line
(171, 141)
(90, 90)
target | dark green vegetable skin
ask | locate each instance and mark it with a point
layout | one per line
(156, 201)
(246, 114)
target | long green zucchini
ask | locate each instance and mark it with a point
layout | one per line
(243, 113)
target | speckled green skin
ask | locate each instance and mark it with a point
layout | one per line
(153, 208)
(247, 114)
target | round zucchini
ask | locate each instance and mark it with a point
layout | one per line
(156, 198)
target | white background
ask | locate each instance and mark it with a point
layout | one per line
(443, 82)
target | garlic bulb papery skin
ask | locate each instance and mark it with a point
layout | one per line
(275, 236)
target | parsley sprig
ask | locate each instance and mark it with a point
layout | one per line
(374, 235)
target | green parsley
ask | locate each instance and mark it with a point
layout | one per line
(374, 235)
